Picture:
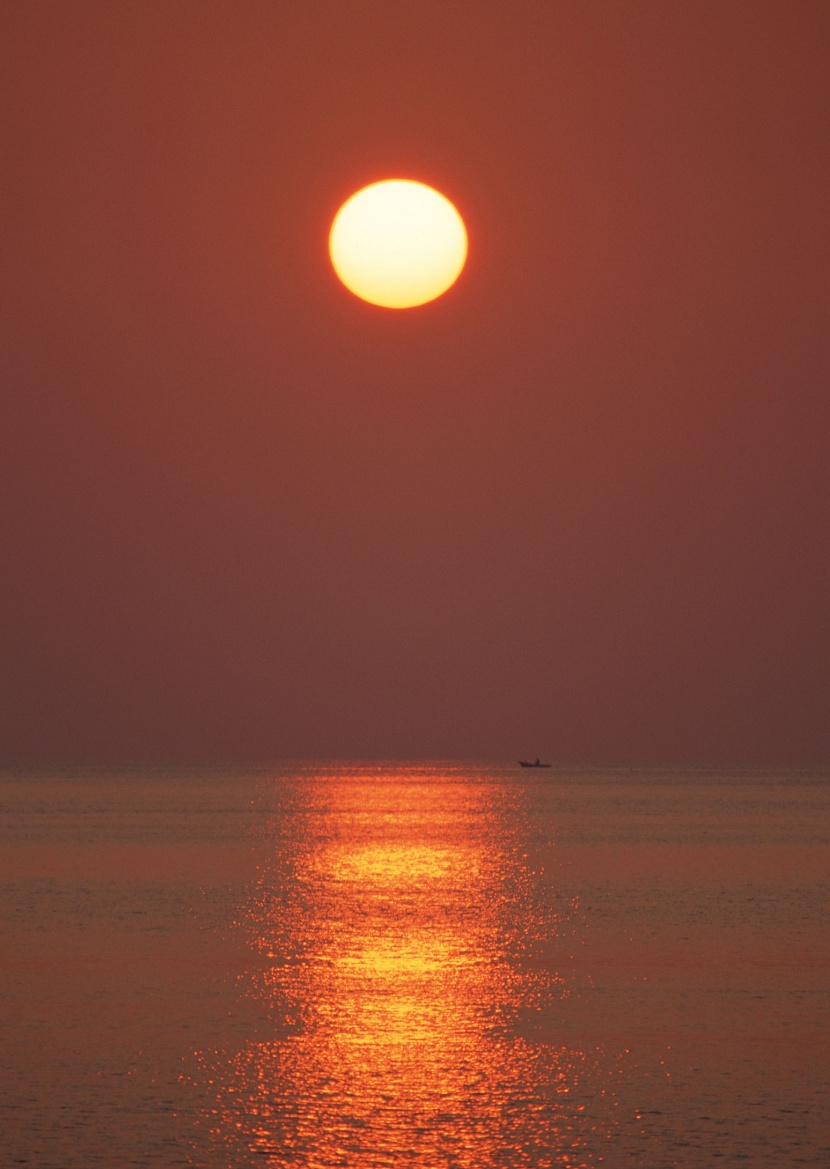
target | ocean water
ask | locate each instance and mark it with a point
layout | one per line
(423, 965)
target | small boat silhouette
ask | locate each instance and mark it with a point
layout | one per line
(538, 763)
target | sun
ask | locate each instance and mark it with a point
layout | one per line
(398, 243)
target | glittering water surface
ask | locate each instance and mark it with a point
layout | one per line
(429, 965)
(405, 940)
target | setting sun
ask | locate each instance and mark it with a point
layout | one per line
(398, 243)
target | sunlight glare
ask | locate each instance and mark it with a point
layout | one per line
(398, 243)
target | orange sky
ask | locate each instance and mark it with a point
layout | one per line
(578, 506)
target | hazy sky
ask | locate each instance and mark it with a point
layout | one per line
(576, 507)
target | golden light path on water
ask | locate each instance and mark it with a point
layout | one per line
(400, 936)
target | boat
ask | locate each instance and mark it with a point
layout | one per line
(538, 763)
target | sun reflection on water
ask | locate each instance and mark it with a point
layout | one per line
(395, 924)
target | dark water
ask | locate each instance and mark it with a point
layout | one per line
(429, 965)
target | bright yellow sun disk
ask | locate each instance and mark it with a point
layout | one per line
(398, 243)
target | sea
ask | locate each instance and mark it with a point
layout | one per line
(428, 964)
